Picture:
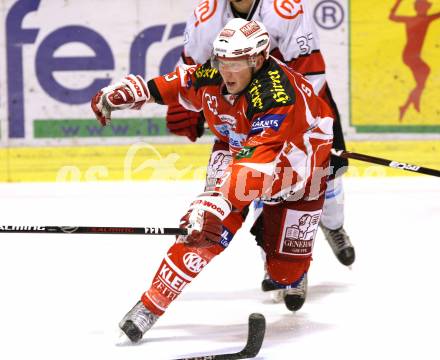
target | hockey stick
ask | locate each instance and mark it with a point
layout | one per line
(391, 163)
(256, 330)
(92, 230)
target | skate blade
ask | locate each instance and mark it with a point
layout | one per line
(277, 296)
(122, 339)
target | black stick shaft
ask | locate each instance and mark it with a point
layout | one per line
(92, 230)
(391, 163)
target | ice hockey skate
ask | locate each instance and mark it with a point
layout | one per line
(294, 296)
(340, 243)
(268, 285)
(137, 322)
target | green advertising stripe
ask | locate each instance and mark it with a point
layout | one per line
(427, 129)
(86, 128)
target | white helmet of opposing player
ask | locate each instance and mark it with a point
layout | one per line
(241, 39)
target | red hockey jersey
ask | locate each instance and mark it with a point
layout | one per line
(278, 130)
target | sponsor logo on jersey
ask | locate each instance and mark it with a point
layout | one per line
(168, 282)
(269, 121)
(217, 164)
(226, 237)
(235, 139)
(279, 94)
(194, 262)
(255, 92)
(227, 32)
(250, 28)
(299, 232)
(288, 9)
(246, 152)
(203, 12)
(229, 119)
(206, 73)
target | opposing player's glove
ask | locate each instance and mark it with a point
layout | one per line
(204, 220)
(183, 122)
(129, 93)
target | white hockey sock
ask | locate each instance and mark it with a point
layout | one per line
(332, 216)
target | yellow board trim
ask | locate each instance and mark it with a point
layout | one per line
(143, 161)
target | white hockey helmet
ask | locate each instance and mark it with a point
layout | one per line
(242, 39)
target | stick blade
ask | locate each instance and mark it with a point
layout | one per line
(256, 331)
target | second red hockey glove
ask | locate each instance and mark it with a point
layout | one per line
(183, 122)
(204, 220)
(129, 93)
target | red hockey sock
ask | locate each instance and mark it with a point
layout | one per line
(287, 272)
(179, 267)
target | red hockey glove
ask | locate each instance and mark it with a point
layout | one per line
(183, 122)
(204, 220)
(129, 93)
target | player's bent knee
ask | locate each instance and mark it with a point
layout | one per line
(289, 233)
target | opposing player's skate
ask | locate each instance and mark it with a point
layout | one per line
(137, 322)
(294, 296)
(340, 244)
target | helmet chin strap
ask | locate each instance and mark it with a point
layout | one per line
(254, 65)
(251, 9)
(249, 14)
(252, 61)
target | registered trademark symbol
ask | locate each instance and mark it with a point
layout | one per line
(329, 14)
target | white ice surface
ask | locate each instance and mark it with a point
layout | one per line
(62, 296)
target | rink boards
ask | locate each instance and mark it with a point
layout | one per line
(142, 161)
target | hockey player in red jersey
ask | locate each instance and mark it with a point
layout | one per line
(295, 41)
(279, 134)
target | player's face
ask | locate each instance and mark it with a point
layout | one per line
(242, 2)
(236, 74)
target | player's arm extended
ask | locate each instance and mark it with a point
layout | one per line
(132, 92)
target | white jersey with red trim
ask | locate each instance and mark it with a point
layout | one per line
(294, 38)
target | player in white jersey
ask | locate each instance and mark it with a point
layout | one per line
(294, 40)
